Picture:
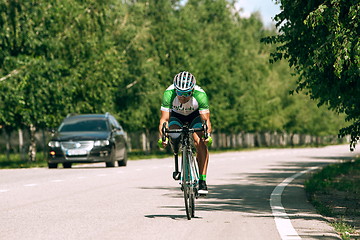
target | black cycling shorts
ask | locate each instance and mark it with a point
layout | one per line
(193, 120)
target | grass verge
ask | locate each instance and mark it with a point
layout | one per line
(16, 162)
(345, 230)
(335, 193)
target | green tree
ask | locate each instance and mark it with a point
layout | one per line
(57, 57)
(320, 40)
(23, 61)
(137, 97)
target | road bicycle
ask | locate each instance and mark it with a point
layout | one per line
(189, 178)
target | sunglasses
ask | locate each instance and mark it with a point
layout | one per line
(184, 94)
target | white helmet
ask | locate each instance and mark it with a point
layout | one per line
(184, 81)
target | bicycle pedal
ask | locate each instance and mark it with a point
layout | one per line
(176, 175)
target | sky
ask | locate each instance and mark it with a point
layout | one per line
(267, 8)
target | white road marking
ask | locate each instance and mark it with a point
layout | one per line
(282, 220)
(59, 180)
(3, 190)
(30, 185)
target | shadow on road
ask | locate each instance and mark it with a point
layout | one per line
(249, 193)
(174, 217)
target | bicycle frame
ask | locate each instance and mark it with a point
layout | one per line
(188, 159)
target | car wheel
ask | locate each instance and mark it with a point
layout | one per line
(112, 159)
(67, 164)
(123, 162)
(52, 165)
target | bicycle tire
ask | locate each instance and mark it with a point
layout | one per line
(192, 186)
(186, 184)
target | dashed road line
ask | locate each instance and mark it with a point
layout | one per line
(30, 185)
(80, 177)
(282, 220)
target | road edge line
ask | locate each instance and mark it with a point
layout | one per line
(282, 220)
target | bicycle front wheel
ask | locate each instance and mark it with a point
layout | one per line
(186, 181)
(192, 184)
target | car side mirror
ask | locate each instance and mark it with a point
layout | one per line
(116, 129)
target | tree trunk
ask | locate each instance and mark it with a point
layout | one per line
(32, 147)
(21, 145)
(146, 142)
(128, 141)
(220, 140)
(44, 144)
(7, 133)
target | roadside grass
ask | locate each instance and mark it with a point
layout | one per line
(344, 229)
(16, 162)
(334, 176)
(140, 154)
(335, 192)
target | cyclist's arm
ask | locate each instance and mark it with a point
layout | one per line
(206, 117)
(164, 118)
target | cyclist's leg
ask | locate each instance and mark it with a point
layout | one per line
(202, 154)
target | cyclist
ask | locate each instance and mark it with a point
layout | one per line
(184, 102)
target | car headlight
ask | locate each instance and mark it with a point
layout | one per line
(53, 144)
(101, 143)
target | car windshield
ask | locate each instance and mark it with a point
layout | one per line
(84, 125)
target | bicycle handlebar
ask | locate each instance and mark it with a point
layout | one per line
(184, 129)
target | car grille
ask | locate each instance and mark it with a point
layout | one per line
(78, 145)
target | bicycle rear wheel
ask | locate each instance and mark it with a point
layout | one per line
(186, 181)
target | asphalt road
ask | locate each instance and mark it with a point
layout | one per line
(142, 201)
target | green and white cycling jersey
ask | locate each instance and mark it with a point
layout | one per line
(198, 102)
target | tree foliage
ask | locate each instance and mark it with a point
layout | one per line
(320, 40)
(93, 56)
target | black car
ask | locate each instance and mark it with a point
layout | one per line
(88, 138)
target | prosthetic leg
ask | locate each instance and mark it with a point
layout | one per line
(175, 145)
